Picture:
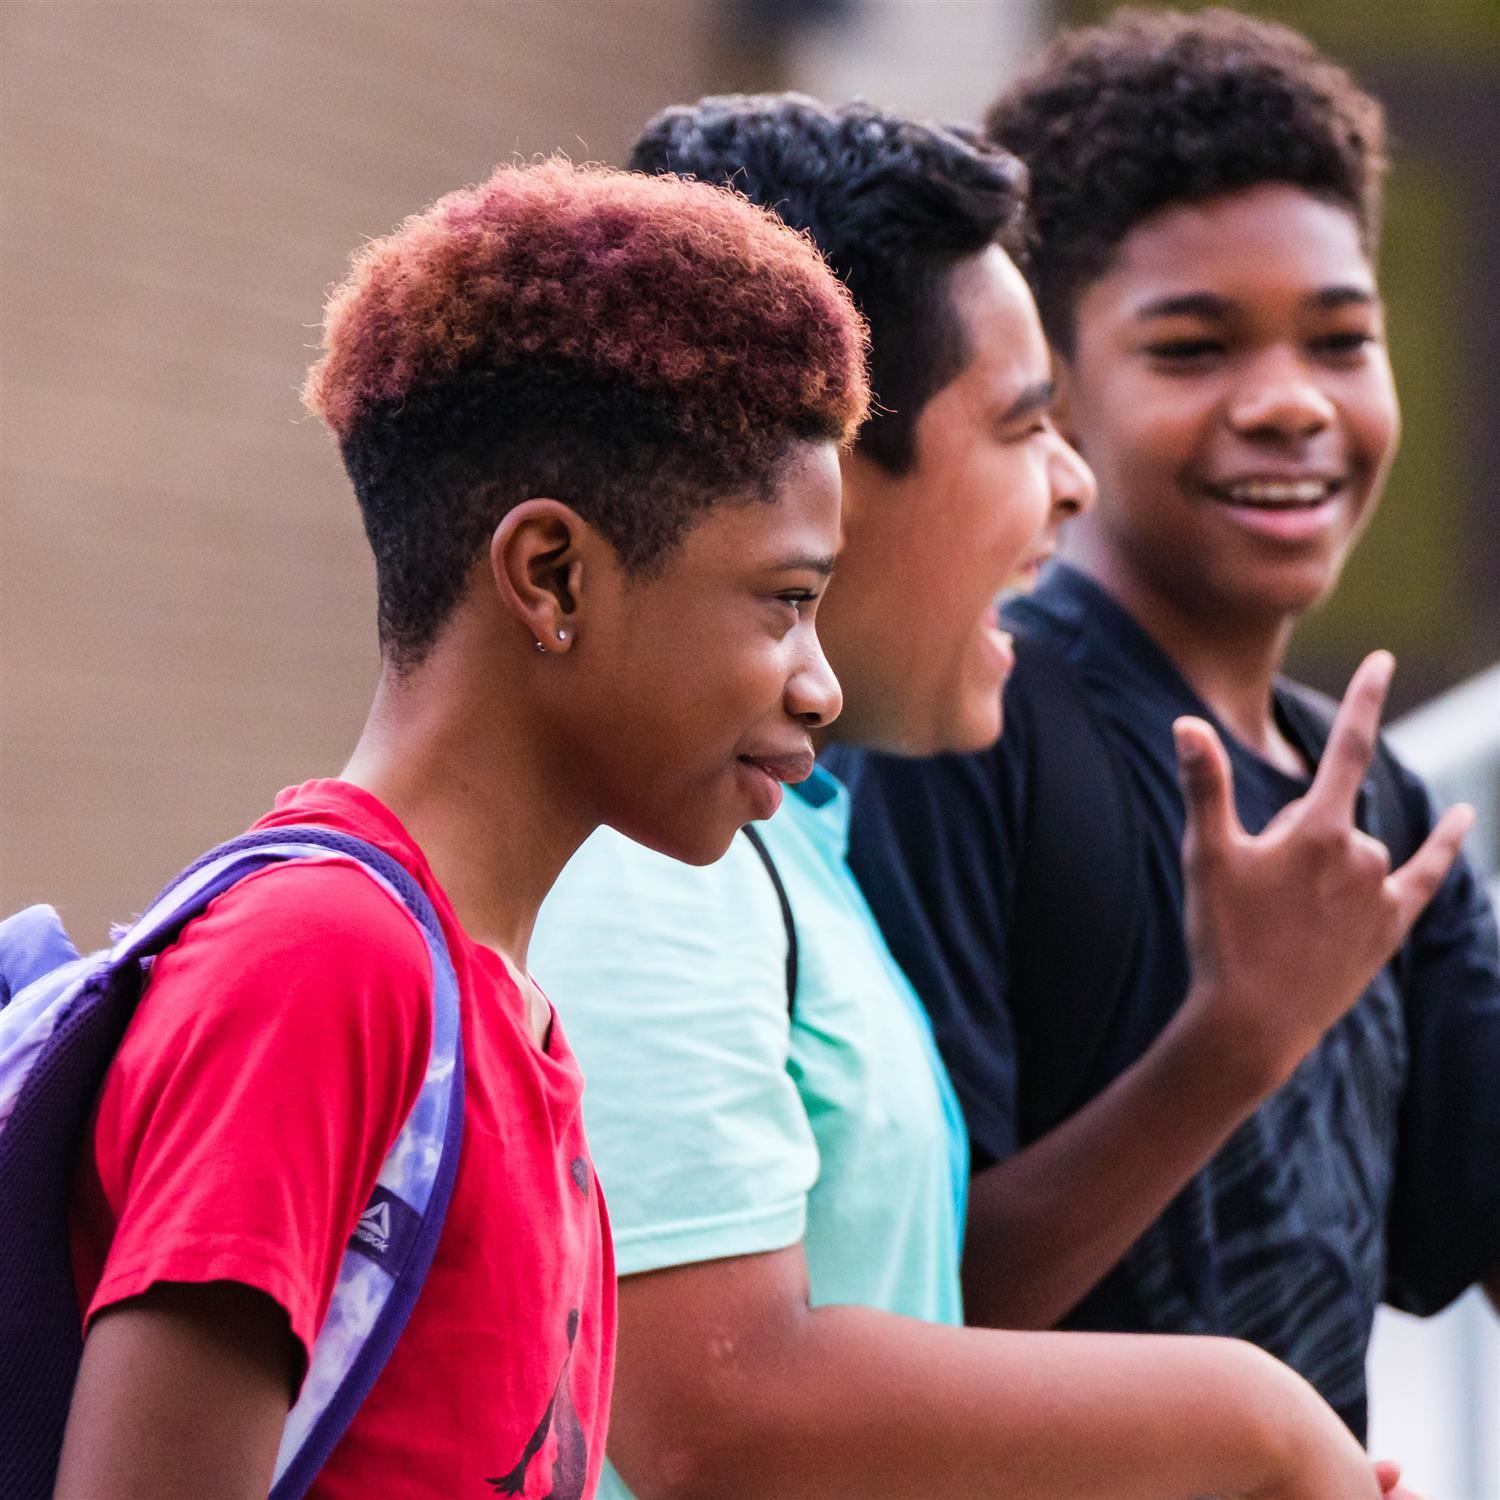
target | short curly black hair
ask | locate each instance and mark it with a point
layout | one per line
(893, 204)
(1151, 108)
(639, 348)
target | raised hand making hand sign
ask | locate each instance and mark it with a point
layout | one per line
(1284, 931)
(1287, 927)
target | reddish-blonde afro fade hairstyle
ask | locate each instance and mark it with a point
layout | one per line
(641, 348)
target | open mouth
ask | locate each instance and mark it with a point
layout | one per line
(999, 641)
(1025, 577)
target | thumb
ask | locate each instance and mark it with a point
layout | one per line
(1207, 785)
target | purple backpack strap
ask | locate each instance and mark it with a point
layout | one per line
(42, 1134)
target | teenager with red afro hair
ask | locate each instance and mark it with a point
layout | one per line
(593, 423)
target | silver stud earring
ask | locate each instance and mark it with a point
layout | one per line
(562, 635)
(540, 647)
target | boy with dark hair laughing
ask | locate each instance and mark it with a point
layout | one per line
(784, 1150)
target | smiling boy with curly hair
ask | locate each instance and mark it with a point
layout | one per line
(1263, 1138)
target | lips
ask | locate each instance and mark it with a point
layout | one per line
(1024, 579)
(1002, 646)
(762, 776)
(790, 766)
(1285, 510)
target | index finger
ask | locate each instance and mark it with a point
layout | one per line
(1351, 742)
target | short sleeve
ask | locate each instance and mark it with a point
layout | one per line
(277, 1050)
(1445, 1211)
(671, 982)
(930, 843)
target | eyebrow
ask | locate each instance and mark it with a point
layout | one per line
(1345, 296)
(1213, 307)
(1187, 305)
(821, 565)
(1034, 398)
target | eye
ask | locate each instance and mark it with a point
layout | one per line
(1344, 345)
(1185, 351)
(798, 599)
(789, 606)
(1034, 427)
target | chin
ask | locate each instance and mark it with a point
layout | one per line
(977, 731)
(976, 727)
(1292, 592)
(954, 728)
(701, 841)
(977, 714)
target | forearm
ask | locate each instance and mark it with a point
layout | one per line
(1046, 1224)
(858, 1403)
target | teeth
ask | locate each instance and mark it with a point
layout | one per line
(1279, 491)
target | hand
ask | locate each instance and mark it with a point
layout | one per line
(1286, 929)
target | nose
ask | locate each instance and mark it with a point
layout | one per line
(1280, 399)
(1074, 488)
(813, 694)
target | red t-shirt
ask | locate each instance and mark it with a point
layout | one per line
(271, 1064)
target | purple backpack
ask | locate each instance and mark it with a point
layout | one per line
(62, 1016)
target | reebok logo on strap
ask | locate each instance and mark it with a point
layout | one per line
(386, 1230)
(374, 1227)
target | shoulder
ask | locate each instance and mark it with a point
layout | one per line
(321, 911)
(315, 948)
(304, 995)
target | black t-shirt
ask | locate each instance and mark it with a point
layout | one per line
(1374, 1173)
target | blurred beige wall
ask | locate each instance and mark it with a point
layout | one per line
(186, 606)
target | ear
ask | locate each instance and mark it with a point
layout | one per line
(537, 563)
(1062, 401)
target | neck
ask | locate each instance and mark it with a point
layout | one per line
(469, 777)
(1230, 660)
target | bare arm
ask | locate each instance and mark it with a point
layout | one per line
(1047, 1224)
(729, 1386)
(1285, 930)
(183, 1392)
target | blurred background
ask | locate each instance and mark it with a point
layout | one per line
(187, 613)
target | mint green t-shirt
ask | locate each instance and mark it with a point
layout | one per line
(720, 1124)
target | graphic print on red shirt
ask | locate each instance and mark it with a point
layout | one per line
(275, 1054)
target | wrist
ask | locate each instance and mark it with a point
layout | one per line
(1214, 1045)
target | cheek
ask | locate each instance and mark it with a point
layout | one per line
(1145, 430)
(1023, 522)
(1168, 435)
(1374, 418)
(732, 673)
(1007, 504)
